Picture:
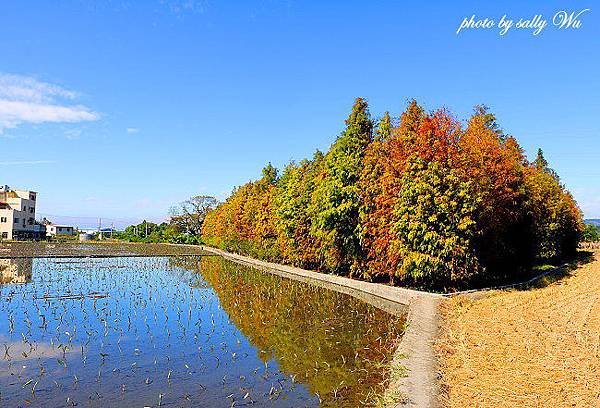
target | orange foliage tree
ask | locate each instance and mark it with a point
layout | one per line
(424, 202)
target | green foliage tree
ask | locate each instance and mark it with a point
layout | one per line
(384, 128)
(556, 221)
(540, 161)
(541, 164)
(591, 233)
(336, 201)
(270, 174)
(435, 226)
(294, 194)
(149, 232)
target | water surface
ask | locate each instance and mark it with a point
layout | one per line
(190, 331)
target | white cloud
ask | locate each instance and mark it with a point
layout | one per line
(73, 133)
(27, 100)
(25, 162)
(18, 87)
(132, 130)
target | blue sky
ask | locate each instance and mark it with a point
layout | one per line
(122, 109)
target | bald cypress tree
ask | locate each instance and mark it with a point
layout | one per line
(384, 128)
(541, 164)
(370, 185)
(540, 161)
(410, 121)
(336, 201)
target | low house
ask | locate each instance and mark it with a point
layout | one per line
(54, 230)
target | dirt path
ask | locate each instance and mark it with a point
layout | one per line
(420, 386)
(538, 347)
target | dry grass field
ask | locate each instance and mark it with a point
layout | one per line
(536, 347)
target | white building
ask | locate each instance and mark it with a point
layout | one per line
(17, 214)
(53, 230)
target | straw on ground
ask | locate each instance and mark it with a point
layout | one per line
(538, 347)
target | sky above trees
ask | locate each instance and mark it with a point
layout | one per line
(123, 109)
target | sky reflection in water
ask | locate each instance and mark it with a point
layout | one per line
(184, 332)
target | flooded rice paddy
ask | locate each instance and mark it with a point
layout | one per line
(94, 249)
(183, 331)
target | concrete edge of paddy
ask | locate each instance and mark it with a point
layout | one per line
(415, 355)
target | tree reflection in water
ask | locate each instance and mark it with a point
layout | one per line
(337, 346)
(15, 271)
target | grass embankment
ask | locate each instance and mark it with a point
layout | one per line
(534, 347)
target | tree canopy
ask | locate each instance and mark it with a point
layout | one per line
(418, 199)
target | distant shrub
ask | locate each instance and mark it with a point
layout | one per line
(591, 233)
(149, 232)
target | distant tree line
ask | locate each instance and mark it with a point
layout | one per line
(419, 200)
(591, 233)
(184, 225)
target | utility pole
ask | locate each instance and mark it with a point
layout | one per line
(146, 222)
